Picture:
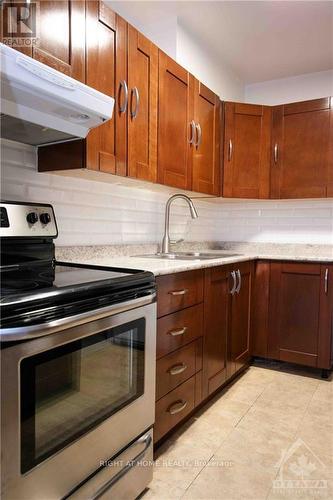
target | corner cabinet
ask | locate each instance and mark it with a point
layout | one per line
(302, 156)
(300, 313)
(227, 313)
(246, 150)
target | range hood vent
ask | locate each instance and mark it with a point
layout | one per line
(40, 105)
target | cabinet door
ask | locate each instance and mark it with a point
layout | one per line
(106, 72)
(142, 113)
(294, 316)
(60, 34)
(300, 149)
(246, 150)
(175, 108)
(206, 151)
(325, 345)
(239, 327)
(216, 316)
(260, 309)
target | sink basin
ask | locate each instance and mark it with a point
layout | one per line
(188, 255)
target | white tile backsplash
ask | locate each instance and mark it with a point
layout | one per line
(99, 213)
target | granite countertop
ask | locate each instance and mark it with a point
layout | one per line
(128, 256)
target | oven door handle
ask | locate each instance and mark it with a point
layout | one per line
(34, 331)
(146, 440)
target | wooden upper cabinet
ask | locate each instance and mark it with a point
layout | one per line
(107, 72)
(142, 102)
(61, 43)
(300, 316)
(246, 150)
(302, 150)
(60, 36)
(175, 111)
(206, 151)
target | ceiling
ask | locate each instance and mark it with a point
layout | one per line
(259, 40)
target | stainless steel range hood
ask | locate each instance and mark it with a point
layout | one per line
(40, 105)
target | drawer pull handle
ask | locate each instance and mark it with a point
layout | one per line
(180, 331)
(177, 407)
(177, 369)
(179, 292)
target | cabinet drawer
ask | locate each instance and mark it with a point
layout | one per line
(179, 290)
(178, 329)
(177, 367)
(173, 407)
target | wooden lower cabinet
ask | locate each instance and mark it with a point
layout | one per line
(227, 306)
(239, 353)
(216, 317)
(300, 313)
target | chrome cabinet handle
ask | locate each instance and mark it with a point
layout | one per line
(238, 274)
(233, 275)
(123, 87)
(135, 93)
(179, 292)
(276, 153)
(230, 148)
(177, 407)
(176, 333)
(199, 135)
(192, 132)
(326, 281)
(177, 369)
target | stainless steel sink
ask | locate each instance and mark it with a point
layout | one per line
(188, 255)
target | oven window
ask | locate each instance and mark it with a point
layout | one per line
(69, 390)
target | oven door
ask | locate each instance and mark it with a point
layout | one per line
(73, 399)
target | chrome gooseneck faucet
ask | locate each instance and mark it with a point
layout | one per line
(194, 215)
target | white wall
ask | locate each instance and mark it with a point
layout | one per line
(97, 213)
(169, 35)
(208, 67)
(297, 88)
(160, 29)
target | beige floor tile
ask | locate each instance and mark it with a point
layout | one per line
(318, 437)
(324, 391)
(230, 482)
(320, 413)
(244, 392)
(205, 434)
(276, 416)
(280, 397)
(262, 449)
(226, 411)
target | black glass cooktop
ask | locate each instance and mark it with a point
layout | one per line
(44, 291)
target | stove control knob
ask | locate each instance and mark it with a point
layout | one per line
(32, 217)
(45, 218)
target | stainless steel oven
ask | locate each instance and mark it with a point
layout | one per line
(77, 368)
(73, 400)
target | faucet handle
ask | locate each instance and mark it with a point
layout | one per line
(173, 242)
